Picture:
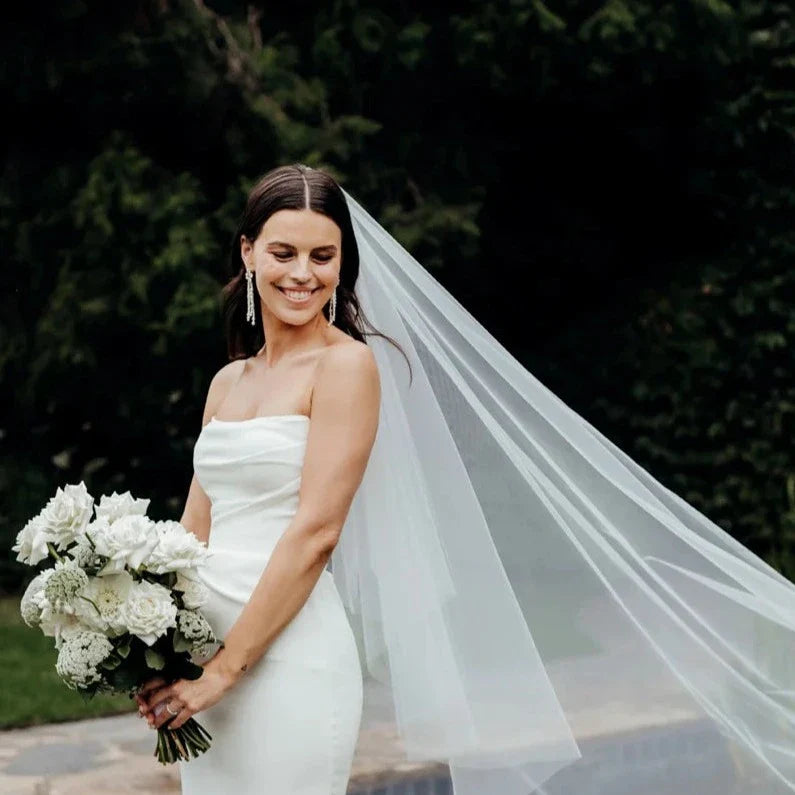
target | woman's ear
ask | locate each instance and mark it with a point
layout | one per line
(245, 249)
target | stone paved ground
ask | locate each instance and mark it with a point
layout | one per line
(115, 755)
(101, 755)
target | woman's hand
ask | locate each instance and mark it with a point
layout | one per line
(185, 696)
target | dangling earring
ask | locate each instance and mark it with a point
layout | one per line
(332, 308)
(250, 298)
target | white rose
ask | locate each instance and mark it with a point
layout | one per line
(114, 506)
(60, 523)
(149, 611)
(177, 548)
(68, 513)
(31, 542)
(100, 604)
(194, 591)
(128, 541)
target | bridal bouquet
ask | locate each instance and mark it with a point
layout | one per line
(119, 600)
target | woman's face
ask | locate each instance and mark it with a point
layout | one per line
(296, 258)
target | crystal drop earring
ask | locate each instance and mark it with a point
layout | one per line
(250, 297)
(332, 308)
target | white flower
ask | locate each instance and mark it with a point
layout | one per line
(127, 541)
(80, 654)
(194, 591)
(37, 610)
(68, 513)
(60, 523)
(114, 506)
(195, 627)
(33, 600)
(31, 543)
(55, 624)
(83, 553)
(149, 611)
(177, 548)
(105, 610)
(61, 587)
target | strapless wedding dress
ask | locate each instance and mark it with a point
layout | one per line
(290, 725)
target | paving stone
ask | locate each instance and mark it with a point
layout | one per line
(115, 755)
(54, 758)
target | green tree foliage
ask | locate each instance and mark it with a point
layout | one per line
(713, 413)
(606, 185)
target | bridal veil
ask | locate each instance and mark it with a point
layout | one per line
(532, 607)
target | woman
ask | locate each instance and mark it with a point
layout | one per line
(530, 605)
(286, 435)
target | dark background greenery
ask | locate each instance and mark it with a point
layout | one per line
(606, 186)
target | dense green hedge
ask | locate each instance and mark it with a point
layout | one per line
(607, 187)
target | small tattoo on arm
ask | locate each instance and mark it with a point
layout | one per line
(244, 667)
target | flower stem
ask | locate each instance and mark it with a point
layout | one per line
(99, 612)
(51, 548)
(185, 743)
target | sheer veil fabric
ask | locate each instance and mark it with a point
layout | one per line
(530, 605)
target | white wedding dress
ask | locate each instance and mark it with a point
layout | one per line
(290, 725)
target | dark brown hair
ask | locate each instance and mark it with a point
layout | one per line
(294, 187)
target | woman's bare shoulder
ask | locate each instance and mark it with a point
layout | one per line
(229, 373)
(349, 368)
(348, 354)
(220, 384)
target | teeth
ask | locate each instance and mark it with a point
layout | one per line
(297, 295)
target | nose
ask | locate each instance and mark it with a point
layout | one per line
(300, 271)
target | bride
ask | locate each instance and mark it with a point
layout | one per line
(286, 435)
(408, 531)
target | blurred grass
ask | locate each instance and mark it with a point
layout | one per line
(31, 691)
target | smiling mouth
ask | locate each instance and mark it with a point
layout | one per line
(296, 296)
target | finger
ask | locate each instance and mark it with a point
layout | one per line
(141, 708)
(184, 714)
(162, 715)
(155, 716)
(150, 685)
(158, 695)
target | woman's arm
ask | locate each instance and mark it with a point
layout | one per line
(345, 408)
(196, 514)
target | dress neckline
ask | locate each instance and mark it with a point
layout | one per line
(260, 417)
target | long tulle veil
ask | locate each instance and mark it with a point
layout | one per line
(532, 607)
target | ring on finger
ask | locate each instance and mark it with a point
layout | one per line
(168, 708)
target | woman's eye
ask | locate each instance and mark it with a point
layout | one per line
(284, 256)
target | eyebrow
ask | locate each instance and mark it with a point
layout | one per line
(329, 246)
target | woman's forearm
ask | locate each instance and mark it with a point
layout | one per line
(295, 565)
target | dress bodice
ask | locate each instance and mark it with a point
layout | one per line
(251, 471)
